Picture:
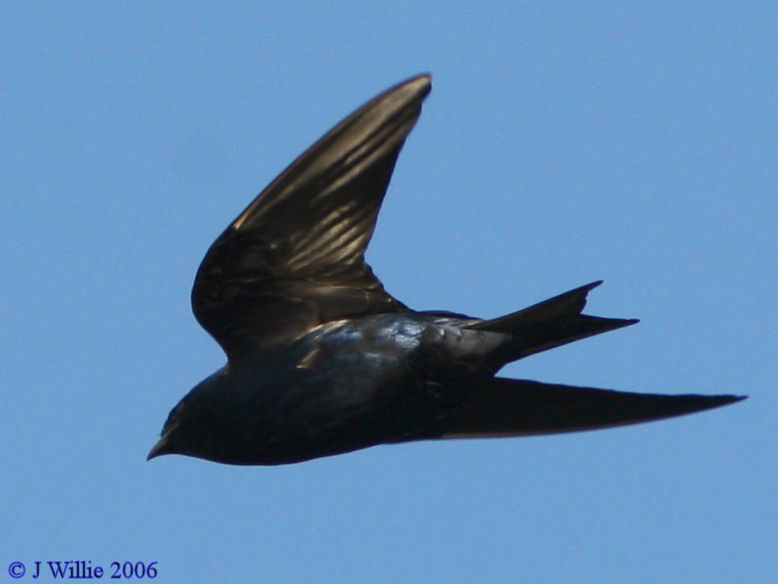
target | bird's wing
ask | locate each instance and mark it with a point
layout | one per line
(518, 407)
(295, 257)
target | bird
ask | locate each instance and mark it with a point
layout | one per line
(322, 360)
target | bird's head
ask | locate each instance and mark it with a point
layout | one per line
(192, 427)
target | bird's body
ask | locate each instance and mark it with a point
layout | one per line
(345, 385)
(322, 360)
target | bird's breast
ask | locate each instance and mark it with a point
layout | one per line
(350, 384)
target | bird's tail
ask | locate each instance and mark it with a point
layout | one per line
(551, 323)
(516, 407)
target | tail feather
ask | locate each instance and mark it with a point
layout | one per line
(516, 407)
(548, 324)
(567, 304)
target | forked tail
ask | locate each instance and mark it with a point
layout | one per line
(548, 324)
(517, 407)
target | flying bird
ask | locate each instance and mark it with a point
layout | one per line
(322, 360)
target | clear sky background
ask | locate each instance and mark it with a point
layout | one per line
(562, 143)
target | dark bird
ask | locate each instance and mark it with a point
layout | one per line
(322, 360)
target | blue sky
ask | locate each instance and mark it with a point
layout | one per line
(562, 143)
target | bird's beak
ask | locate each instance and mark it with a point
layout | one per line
(159, 449)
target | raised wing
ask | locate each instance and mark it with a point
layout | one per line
(295, 257)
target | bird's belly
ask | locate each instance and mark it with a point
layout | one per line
(351, 388)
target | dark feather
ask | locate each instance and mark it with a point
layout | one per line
(517, 407)
(295, 257)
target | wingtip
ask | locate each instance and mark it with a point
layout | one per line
(420, 79)
(425, 75)
(418, 86)
(731, 399)
(699, 403)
